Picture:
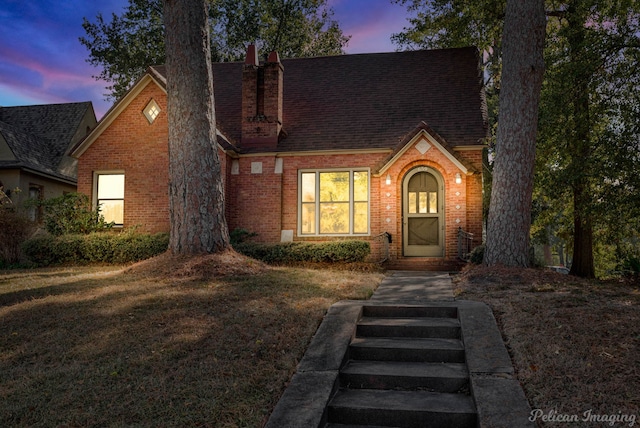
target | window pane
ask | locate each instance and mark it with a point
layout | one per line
(111, 186)
(360, 217)
(361, 186)
(309, 187)
(334, 187)
(422, 202)
(308, 219)
(334, 217)
(413, 203)
(113, 211)
(433, 202)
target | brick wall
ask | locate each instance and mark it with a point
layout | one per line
(254, 198)
(463, 202)
(261, 197)
(139, 149)
(262, 92)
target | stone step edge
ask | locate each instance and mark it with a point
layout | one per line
(307, 395)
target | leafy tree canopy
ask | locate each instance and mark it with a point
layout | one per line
(588, 149)
(126, 45)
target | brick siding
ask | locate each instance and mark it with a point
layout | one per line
(262, 200)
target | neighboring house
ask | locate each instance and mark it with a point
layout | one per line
(34, 149)
(315, 149)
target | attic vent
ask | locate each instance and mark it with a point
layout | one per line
(151, 111)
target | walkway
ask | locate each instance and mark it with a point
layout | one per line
(411, 356)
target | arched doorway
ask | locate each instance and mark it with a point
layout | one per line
(423, 213)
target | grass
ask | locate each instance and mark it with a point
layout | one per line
(213, 341)
(179, 344)
(574, 343)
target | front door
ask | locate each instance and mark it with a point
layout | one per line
(423, 213)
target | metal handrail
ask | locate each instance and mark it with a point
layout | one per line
(465, 244)
(385, 237)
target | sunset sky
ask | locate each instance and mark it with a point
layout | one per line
(42, 61)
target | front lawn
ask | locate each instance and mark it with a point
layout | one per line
(575, 343)
(193, 343)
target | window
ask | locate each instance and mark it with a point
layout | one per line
(110, 197)
(423, 194)
(151, 111)
(34, 212)
(334, 202)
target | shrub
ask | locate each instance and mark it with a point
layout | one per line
(296, 252)
(119, 248)
(240, 235)
(14, 230)
(477, 255)
(132, 247)
(72, 213)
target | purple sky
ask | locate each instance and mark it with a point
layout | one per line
(42, 61)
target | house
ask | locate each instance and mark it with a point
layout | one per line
(34, 149)
(379, 147)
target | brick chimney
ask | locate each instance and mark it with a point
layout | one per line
(261, 101)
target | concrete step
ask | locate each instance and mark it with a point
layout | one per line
(402, 409)
(410, 311)
(330, 425)
(430, 350)
(424, 264)
(408, 327)
(352, 426)
(440, 377)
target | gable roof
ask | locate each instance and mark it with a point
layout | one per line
(423, 132)
(40, 136)
(366, 101)
(352, 102)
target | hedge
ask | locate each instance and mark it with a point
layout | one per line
(102, 247)
(296, 252)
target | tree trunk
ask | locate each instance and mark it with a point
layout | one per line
(582, 263)
(579, 148)
(196, 193)
(522, 72)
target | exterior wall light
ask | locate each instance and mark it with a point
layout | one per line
(458, 178)
(388, 181)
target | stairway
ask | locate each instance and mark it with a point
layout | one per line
(422, 264)
(405, 367)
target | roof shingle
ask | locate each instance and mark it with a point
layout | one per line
(366, 101)
(40, 135)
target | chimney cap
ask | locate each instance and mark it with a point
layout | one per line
(273, 57)
(252, 55)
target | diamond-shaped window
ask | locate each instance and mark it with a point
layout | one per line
(423, 146)
(151, 111)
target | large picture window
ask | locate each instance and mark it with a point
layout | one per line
(110, 197)
(334, 202)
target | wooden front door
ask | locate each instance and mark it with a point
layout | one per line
(423, 213)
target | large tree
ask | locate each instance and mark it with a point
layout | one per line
(512, 188)
(587, 150)
(196, 196)
(123, 47)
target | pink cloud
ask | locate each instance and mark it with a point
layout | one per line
(370, 23)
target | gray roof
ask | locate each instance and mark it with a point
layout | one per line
(40, 135)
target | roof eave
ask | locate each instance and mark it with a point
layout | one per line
(424, 131)
(149, 77)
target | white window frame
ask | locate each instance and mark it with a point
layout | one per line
(97, 174)
(317, 172)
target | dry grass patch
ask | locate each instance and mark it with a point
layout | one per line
(575, 343)
(169, 342)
